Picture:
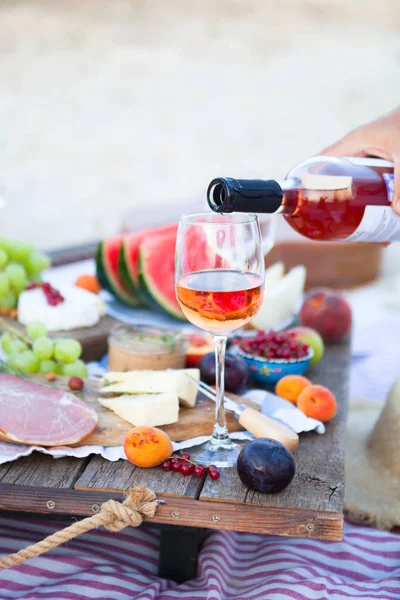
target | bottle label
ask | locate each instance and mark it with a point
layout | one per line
(379, 224)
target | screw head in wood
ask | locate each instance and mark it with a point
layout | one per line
(175, 514)
(310, 527)
(95, 508)
(50, 504)
(215, 518)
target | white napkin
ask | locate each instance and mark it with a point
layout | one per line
(10, 452)
(284, 411)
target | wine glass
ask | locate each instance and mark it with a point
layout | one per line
(219, 282)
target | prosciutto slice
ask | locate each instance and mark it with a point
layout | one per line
(31, 413)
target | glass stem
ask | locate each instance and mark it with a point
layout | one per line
(220, 432)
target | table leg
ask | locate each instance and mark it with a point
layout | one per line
(179, 549)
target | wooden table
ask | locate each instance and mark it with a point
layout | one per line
(312, 506)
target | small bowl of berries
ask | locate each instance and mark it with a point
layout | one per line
(272, 355)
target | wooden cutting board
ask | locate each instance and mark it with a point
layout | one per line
(111, 429)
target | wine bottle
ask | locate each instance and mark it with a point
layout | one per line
(323, 198)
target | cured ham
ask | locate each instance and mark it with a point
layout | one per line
(36, 414)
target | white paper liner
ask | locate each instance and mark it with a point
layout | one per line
(278, 408)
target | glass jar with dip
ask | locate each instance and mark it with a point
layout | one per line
(132, 347)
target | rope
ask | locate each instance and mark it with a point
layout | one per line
(140, 502)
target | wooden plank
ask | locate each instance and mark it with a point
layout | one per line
(41, 470)
(183, 511)
(319, 480)
(122, 475)
(71, 254)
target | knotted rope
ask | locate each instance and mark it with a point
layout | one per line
(140, 502)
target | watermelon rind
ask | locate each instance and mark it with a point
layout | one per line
(154, 298)
(108, 280)
(130, 281)
(128, 267)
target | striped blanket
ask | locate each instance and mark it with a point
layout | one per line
(233, 566)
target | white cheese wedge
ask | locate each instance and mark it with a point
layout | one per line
(151, 410)
(153, 382)
(79, 309)
(282, 301)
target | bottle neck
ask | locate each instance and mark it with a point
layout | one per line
(226, 195)
(290, 190)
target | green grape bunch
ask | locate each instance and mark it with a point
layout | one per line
(20, 265)
(33, 351)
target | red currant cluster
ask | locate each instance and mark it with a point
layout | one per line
(53, 296)
(183, 464)
(274, 345)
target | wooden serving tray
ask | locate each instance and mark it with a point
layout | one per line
(111, 429)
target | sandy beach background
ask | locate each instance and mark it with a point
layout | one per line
(107, 106)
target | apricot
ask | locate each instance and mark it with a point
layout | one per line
(291, 386)
(89, 283)
(317, 402)
(147, 446)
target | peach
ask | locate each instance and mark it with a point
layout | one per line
(291, 386)
(328, 312)
(318, 402)
(147, 446)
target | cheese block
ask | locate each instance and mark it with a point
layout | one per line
(79, 309)
(150, 410)
(153, 382)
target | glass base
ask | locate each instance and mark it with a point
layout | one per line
(222, 454)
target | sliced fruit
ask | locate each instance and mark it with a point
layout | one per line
(199, 344)
(273, 274)
(157, 273)
(147, 446)
(107, 255)
(195, 249)
(128, 261)
(281, 302)
(88, 283)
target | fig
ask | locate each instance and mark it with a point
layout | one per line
(236, 371)
(266, 466)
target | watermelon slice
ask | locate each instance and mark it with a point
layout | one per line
(128, 261)
(157, 272)
(107, 255)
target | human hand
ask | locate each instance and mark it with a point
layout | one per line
(379, 138)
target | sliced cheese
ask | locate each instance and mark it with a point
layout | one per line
(151, 410)
(282, 301)
(153, 382)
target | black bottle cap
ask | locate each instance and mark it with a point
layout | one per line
(226, 195)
